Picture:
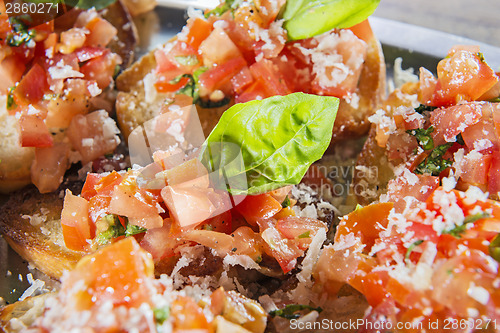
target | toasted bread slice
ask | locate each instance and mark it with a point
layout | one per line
(30, 223)
(18, 316)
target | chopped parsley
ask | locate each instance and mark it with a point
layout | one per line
(115, 229)
(20, 35)
(228, 5)
(11, 103)
(290, 311)
(161, 314)
(434, 164)
(422, 108)
(480, 55)
(412, 247)
(423, 137)
(286, 202)
(306, 234)
(495, 248)
(460, 229)
(191, 88)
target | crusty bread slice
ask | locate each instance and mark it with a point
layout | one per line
(30, 223)
(18, 316)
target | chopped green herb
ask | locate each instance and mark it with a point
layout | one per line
(234, 249)
(358, 206)
(460, 229)
(224, 7)
(495, 248)
(306, 234)
(191, 88)
(258, 260)
(412, 247)
(97, 4)
(286, 202)
(116, 229)
(189, 60)
(480, 55)
(434, 164)
(422, 108)
(11, 103)
(423, 137)
(207, 227)
(207, 104)
(161, 314)
(290, 311)
(134, 230)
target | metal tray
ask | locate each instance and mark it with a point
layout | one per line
(416, 45)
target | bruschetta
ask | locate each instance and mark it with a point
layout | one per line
(57, 78)
(435, 127)
(241, 52)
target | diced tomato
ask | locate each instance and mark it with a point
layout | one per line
(89, 52)
(400, 188)
(363, 31)
(255, 207)
(449, 122)
(98, 207)
(256, 91)
(220, 223)
(93, 135)
(494, 174)
(265, 71)
(34, 132)
(360, 223)
(300, 229)
(188, 205)
(482, 136)
(96, 183)
(427, 85)
(139, 205)
(75, 222)
(101, 69)
(475, 168)
(188, 316)
(282, 249)
(462, 76)
(4, 19)
(119, 273)
(101, 32)
(241, 80)
(218, 48)
(220, 75)
(199, 30)
(49, 166)
(11, 71)
(160, 242)
(164, 82)
(32, 86)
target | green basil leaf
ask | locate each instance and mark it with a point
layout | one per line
(305, 19)
(98, 4)
(286, 202)
(161, 314)
(278, 137)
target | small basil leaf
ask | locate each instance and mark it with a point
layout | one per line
(305, 19)
(286, 202)
(278, 138)
(458, 230)
(412, 247)
(97, 4)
